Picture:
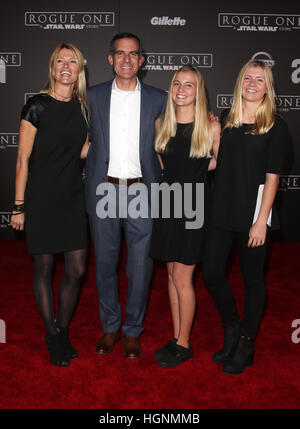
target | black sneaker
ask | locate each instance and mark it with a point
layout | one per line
(176, 357)
(160, 353)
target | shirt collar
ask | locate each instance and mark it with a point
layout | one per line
(136, 89)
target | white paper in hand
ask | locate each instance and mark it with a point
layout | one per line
(258, 204)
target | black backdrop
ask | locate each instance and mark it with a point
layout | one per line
(216, 36)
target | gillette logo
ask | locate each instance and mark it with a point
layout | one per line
(165, 20)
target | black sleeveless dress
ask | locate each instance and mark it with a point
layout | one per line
(171, 240)
(55, 219)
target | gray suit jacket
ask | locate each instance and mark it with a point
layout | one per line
(153, 103)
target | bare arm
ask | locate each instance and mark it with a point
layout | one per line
(85, 148)
(257, 233)
(26, 138)
(160, 161)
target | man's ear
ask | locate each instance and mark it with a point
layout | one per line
(110, 59)
(142, 59)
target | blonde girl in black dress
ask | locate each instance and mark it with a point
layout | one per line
(185, 140)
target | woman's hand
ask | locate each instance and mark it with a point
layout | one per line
(258, 231)
(212, 117)
(257, 234)
(17, 221)
(85, 149)
(212, 164)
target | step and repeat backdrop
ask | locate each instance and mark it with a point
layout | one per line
(217, 37)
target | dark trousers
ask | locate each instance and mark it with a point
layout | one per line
(218, 244)
(106, 234)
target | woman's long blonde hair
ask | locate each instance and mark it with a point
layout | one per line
(79, 90)
(265, 114)
(202, 136)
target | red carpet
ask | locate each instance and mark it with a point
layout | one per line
(29, 381)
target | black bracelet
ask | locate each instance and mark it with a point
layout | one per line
(20, 208)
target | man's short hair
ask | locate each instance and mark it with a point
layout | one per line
(124, 36)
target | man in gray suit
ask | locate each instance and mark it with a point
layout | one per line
(122, 116)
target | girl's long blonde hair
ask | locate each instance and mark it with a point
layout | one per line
(265, 114)
(79, 90)
(202, 136)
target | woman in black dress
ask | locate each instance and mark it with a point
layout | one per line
(49, 197)
(185, 138)
(253, 149)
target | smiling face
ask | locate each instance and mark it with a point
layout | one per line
(254, 84)
(66, 67)
(126, 60)
(184, 88)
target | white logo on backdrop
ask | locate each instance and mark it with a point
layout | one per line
(8, 59)
(2, 71)
(265, 57)
(8, 140)
(165, 20)
(296, 73)
(11, 59)
(284, 103)
(69, 20)
(5, 219)
(159, 61)
(224, 101)
(289, 182)
(259, 22)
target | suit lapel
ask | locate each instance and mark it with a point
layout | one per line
(145, 115)
(104, 112)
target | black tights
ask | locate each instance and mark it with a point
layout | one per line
(218, 244)
(68, 291)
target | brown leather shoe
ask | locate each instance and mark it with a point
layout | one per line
(132, 347)
(107, 342)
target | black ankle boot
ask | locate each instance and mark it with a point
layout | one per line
(242, 357)
(232, 334)
(56, 350)
(70, 352)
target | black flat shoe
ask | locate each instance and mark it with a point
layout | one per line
(160, 353)
(70, 352)
(242, 357)
(56, 350)
(176, 357)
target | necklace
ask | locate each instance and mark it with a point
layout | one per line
(62, 96)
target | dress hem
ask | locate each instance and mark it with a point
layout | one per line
(47, 252)
(176, 260)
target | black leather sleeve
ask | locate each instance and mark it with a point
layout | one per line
(33, 109)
